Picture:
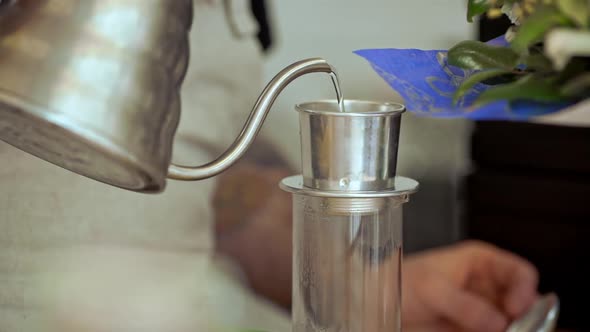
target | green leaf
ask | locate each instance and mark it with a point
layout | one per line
(528, 88)
(572, 70)
(578, 87)
(534, 28)
(474, 79)
(577, 10)
(504, 79)
(476, 8)
(480, 56)
(538, 62)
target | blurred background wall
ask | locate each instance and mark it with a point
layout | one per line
(432, 151)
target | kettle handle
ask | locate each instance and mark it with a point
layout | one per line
(253, 124)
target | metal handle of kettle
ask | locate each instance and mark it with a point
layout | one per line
(253, 124)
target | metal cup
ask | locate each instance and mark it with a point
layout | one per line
(354, 150)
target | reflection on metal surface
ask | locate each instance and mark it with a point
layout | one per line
(542, 317)
(93, 86)
(352, 150)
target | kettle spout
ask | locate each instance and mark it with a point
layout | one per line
(254, 122)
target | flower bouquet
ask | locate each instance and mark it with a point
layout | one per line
(539, 67)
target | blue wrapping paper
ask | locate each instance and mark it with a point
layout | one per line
(427, 83)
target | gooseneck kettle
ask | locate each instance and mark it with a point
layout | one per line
(93, 86)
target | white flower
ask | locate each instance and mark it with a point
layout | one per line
(562, 44)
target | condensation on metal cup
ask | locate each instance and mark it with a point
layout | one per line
(347, 218)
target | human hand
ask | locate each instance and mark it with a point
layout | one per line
(467, 287)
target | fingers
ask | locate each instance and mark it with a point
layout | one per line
(520, 296)
(516, 276)
(462, 308)
(522, 287)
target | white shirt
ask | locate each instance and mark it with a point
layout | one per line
(78, 255)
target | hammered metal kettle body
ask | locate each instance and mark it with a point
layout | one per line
(93, 86)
